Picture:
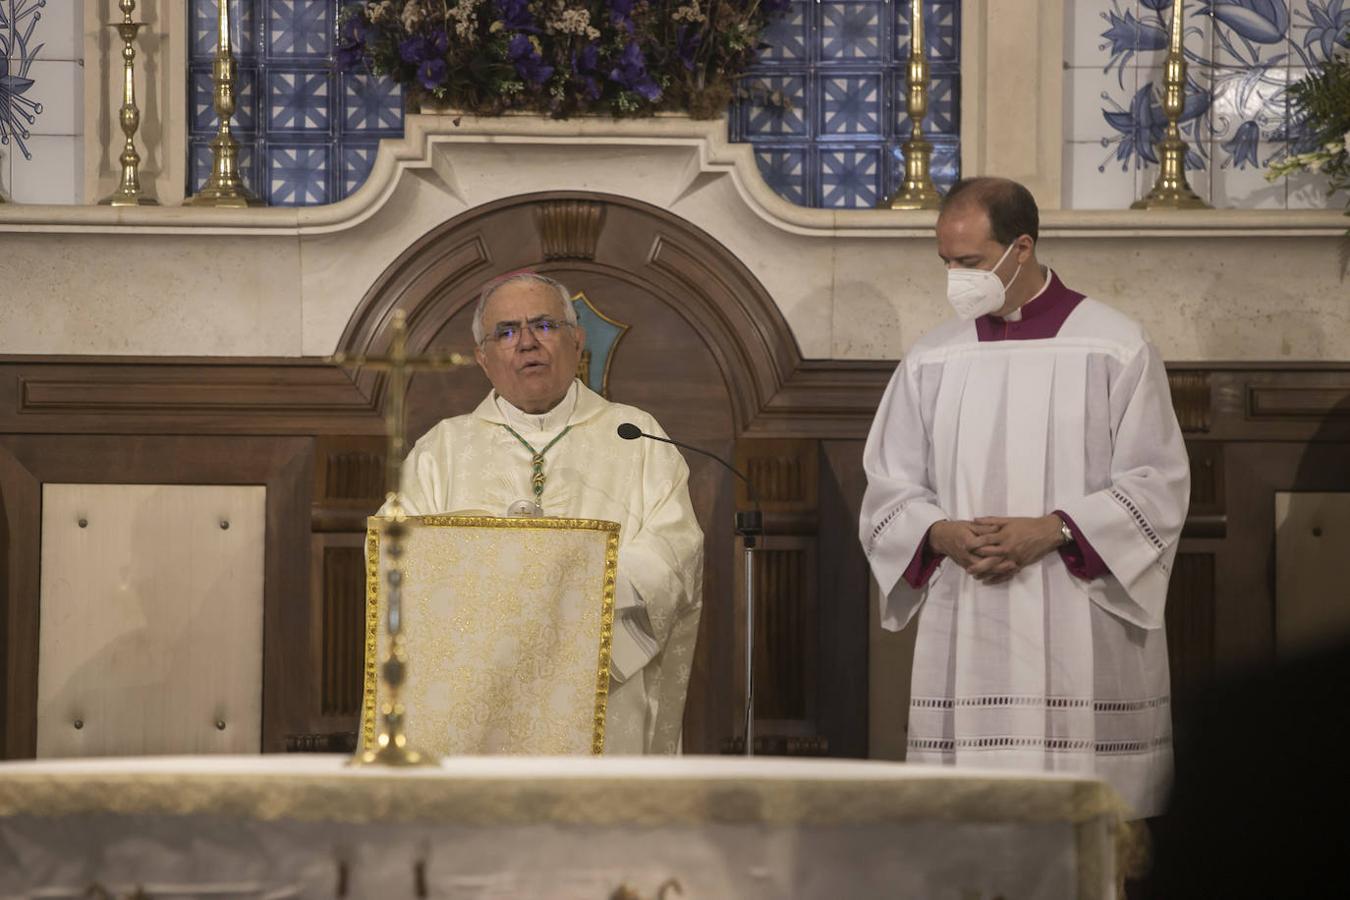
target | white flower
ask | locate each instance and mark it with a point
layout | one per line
(412, 15)
(465, 16)
(377, 10)
(571, 21)
(690, 13)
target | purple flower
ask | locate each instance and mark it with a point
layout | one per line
(431, 74)
(419, 49)
(585, 63)
(630, 73)
(529, 64)
(687, 42)
(621, 14)
(587, 60)
(414, 49)
(348, 56)
(515, 15)
(351, 41)
(355, 28)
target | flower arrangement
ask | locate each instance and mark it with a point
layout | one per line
(1321, 102)
(559, 57)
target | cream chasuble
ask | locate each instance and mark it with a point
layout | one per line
(473, 462)
(1049, 670)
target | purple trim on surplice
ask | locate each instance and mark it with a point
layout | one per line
(1042, 316)
(1079, 557)
(924, 563)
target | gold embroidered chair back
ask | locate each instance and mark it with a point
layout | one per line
(507, 625)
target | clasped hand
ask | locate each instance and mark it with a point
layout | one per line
(995, 548)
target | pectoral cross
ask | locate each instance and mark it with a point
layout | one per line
(391, 745)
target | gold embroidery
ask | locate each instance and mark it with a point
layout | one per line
(507, 616)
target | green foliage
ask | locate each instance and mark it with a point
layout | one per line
(1321, 107)
(1322, 99)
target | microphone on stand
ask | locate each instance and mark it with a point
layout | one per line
(749, 526)
(750, 523)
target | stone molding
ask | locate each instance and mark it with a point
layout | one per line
(429, 142)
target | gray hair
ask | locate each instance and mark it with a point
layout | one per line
(569, 311)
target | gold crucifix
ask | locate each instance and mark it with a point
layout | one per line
(391, 743)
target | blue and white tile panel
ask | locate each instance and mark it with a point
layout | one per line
(1242, 55)
(825, 104)
(309, 132)
(42, 101)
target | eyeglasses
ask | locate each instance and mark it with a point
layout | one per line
(507, 334)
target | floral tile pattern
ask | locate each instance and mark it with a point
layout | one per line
(19, 49)
(825, 104)
(1242, 56)
(309, 132)
(41, 101)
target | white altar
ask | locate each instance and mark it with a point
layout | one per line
(497, 827)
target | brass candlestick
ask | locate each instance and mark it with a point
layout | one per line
(916, 191)
(224, 187)
(391, 742)
(129, 191)
(1171, 191)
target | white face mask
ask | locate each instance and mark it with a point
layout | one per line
(978, 292)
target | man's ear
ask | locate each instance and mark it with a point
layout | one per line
(581, 338)
(1025, 248)
(478, 355)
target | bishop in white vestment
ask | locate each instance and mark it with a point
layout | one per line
(529, 344)
(1027, 486)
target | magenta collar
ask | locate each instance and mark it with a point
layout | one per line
(1042, 316)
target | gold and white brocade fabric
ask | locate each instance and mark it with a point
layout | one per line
(471, 462)
(507, 627)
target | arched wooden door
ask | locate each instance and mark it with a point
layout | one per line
(705, 347)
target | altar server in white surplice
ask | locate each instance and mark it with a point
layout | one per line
(1026, 488)
(529, 344)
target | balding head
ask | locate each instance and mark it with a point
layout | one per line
(1010, 207)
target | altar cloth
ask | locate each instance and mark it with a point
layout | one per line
(497, 827)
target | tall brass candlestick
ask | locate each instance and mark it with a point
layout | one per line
(129, 191)
(1171, 191)
(391, 742)
(224, 187)
(916, 191)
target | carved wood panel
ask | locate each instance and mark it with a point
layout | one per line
(785, 648)
(343, 635)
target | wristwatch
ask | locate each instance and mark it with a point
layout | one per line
(1065, 532)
